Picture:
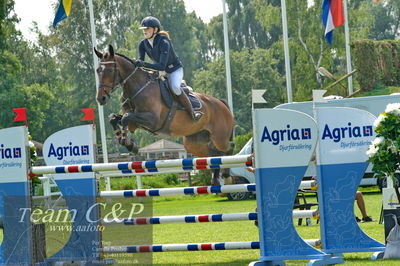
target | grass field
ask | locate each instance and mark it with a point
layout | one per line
(240, 231)
(215, 232)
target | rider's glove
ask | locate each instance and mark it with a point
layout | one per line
(139, 63)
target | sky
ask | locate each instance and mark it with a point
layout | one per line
(42, 12)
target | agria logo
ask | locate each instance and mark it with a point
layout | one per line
(278, 135)
(70, 150)
(339, 133)
(10, 153)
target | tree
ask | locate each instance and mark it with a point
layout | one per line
(253, 69)
(387, 20)
(10, 66)
(244, 30)
(308, 47)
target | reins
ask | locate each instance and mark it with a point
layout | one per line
(122, 84)
(117, 73)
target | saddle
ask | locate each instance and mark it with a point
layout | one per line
(168, 96)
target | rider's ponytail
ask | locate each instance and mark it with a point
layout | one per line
(166, 34)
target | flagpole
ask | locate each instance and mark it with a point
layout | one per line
(348, 53)
(286, 50)
(227, 60)
(100, 107)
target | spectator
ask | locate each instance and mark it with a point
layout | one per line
(361, 207)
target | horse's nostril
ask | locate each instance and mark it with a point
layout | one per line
(101, 100)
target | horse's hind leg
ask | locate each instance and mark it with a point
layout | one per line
(199, 145)
(216, 172)
(221, 145)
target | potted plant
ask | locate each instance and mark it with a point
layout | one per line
(384, 152)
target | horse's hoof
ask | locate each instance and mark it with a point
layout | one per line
(132, 146)
(215, 182)
(133, 149)
(225, 173)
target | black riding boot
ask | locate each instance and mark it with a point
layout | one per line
(184, 100)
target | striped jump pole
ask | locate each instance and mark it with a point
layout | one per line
(192, 247)
(160, 171)
(178, 191)
(182, 247)
(151, 166)
(199, 218)
(202, 218)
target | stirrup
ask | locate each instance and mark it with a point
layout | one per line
(197, 115)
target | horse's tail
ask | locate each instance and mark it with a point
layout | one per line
(231, 137)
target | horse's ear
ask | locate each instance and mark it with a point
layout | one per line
(99, 55)
(111, 50)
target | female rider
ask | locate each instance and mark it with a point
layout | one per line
(157, 45)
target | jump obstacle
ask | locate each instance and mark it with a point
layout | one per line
(201, 218)
(290, 136)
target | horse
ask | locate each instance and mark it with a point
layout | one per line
(143, 107)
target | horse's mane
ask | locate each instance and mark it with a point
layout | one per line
(127, 58)
(133, 62)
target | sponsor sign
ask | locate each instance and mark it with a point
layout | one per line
(344, 137)
(13, 148)
(284, 139)
(71, 146)
(345, 134)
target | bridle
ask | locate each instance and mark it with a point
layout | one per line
(117, 75)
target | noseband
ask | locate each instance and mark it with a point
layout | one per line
(117, 75)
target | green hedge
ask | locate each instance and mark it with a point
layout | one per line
(377, 63)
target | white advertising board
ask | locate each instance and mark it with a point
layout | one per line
(71, 146)
(344, 134)
(13, 149)
(285, 139)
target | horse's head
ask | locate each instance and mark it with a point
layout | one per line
(108, 75)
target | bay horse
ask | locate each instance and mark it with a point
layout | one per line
(143, 107)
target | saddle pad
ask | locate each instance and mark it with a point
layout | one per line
(167, 97)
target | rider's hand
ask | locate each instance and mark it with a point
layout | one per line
(139, 63)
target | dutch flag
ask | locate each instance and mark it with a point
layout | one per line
(332, 17)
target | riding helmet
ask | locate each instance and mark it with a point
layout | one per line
(150, 22)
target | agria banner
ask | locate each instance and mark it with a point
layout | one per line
(284, 141)
(345, 134)
(14, 196)
(344, 137)
(283, 138)
(70, 146)
(13, 146)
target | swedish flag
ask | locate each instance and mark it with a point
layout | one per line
(63, 11)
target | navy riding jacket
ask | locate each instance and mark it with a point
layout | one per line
(162, 53)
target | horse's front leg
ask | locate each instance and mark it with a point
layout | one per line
(146, 120)
(122, 134)
(129, 123)
(115, 121)
(130, 143)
